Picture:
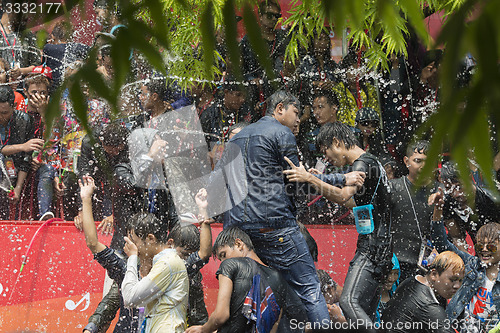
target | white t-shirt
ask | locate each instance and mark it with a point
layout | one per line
(481, 314)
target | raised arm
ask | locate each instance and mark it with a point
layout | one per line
(205, 229)
(438, 232)
(86, 190)
(222, 309)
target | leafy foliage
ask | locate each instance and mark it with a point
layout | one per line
(181, 34)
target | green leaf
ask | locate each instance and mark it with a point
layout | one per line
(412, 10)
(258, 44)
(79, 103)
(230, 32)
(208, 36)
(53, 110)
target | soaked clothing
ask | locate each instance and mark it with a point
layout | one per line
(197, 313)
(411, 222)
(240, 271)
(372, 261)
(375, 244)
(477, 300)
(163, 292)
(106, 310)
(416, 304)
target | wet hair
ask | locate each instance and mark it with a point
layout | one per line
(60, 31)
(7, 95)
(432, 56)
(115, 134)
(449, 172)
(158, 85)
(284, 97)
(330, 96)
(420, 147)
(446, 260)
(144, 224)
(228, 236)
(187, 236)
(325, 280)
(336, 130)
(100, 4)
(236, 126)
(36, 78)
(489, 231)
(263, 4)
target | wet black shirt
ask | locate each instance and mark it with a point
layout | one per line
(240, 271)
(415, 304)
(378, 241)
(405, 232)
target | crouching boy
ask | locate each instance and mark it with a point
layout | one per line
(245, 283)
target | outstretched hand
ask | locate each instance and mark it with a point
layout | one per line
(296, 173)
(87, 186)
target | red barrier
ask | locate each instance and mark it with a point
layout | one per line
(61, 284)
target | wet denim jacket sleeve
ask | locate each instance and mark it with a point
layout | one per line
(194, 263)
(110, 261)
(441, 242)
(474, 274)
(334, 179)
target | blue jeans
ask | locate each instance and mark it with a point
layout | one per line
(286, 251)
(46, 174)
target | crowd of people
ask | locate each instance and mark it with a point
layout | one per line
(322, 143)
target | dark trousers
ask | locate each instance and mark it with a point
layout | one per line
(361, 292)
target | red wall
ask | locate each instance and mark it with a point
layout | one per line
(60, 272)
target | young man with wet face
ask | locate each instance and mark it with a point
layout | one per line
(475, 305)
(411, 215)
(43, 164)
(324, 110)
(239, 264)
(416, 305)
(264, 201)
(16, 146)
(372, 260)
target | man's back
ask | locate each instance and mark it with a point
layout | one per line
(241, 271)
(260, 186)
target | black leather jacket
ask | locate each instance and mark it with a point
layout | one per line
(415, 306)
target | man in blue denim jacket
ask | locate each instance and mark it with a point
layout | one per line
(260, 200)
(475, 307)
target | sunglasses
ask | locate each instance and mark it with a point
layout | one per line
(271, 16)
(372, 123)
(490, 247)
